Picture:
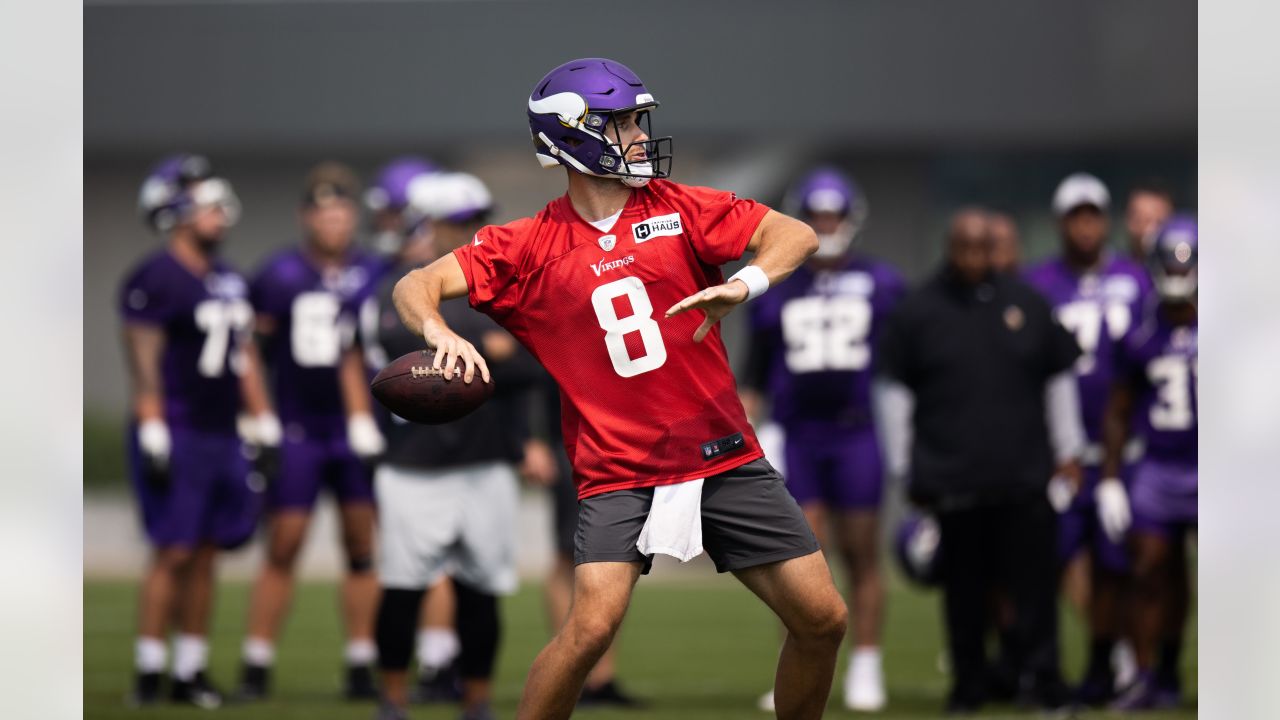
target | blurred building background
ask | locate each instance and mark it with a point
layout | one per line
(931, 105)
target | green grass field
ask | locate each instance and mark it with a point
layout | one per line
(698, 651)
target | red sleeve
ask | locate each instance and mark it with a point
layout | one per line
(722, 222)
(491, 275)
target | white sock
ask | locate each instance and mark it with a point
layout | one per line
(437, 647)
(865, 654)
(361, 652)
(258, 652)
(865, 659)
(149, 655)
(190, 656)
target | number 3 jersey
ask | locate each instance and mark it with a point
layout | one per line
(1099, 309)
(313, 312)
(1158, 359)
(643, 404)
(812, 341)
(204, 320)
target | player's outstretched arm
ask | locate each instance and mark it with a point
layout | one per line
(417, 298)
(780, 244)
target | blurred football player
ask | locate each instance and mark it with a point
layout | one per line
(187, 325)
(387, 198)
(1097, 295)
(387, 201)
(662, 452)
(1157, 378)
(814, 334)
(1006, 244)
(448, 493)
(1150, 205)
(306, 298)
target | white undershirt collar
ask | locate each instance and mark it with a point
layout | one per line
(606, 224)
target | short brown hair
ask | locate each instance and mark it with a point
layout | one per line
(330, 179)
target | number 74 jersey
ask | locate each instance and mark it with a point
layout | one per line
(642, 404)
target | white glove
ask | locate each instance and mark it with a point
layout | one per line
(363, 436)
(154, 441)
(260, 430)
(1113, 508)
(1061, 492)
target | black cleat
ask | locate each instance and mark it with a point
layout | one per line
(360, 684)
(146, 689)
(389, 711)
(609, 694)
(255, 683)
(197, 691)
(438, 685)
(479, 712)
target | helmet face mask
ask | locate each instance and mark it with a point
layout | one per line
(1174, 258)
(177, 186)
(833, 205)
(575, 116)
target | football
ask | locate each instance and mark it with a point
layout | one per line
(417, 392)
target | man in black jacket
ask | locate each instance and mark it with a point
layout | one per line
(967, 363)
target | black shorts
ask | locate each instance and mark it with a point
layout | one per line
(564, 502)
(748, 519)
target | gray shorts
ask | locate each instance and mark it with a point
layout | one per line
(748, 519)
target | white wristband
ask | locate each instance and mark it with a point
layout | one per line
(755, 280)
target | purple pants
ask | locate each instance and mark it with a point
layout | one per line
(1079, 529)
(207, 499)
(1164, 497)
(836, 466)
(310, 463)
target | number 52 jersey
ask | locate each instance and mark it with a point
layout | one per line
(813, 337)
(643, 404)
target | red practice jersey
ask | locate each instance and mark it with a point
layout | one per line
(643, 404)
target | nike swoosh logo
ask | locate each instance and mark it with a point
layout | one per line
(476, 241)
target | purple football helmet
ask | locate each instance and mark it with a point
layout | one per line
(827, 190)
(179, 183)
(390, 189)
(918, 548)
(572, 109)
(1174, 256)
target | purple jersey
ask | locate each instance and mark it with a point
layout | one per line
(1099, 308)
(313, 313)
(204, 320)
(812, 339)
(1160, 360)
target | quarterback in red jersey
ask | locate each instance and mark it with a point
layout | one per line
(600, 286)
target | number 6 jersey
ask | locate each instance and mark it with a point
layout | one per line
(313, 313)
(643, 404)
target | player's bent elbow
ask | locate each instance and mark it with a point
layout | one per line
(809, 241)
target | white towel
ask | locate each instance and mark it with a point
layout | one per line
(674, 525)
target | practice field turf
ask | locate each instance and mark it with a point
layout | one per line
(698, 650)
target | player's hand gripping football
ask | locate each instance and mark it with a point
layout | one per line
(716, 301)
(449, 346)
